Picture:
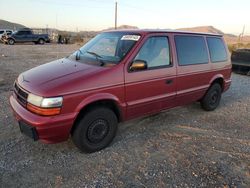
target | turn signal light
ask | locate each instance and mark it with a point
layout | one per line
(43, 111)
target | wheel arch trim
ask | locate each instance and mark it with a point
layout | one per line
(216, 77)
(102, 97)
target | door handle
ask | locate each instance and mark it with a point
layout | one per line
(170, 81)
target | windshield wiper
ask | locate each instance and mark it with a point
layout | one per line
(95, 54)
(98, 57)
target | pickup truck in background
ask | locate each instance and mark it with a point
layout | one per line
(25, 35)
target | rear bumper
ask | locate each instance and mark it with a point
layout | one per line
(51, 129)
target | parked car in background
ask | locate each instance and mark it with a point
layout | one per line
(118, 76)
(25, 35)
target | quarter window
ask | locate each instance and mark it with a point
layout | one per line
(155, 52)
(191, 50)
(217, 49)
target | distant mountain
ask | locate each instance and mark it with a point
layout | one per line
(204, 29)
(122, 27)
(10, 25)
(230, 38)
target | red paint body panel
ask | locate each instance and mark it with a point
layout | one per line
(135, 93)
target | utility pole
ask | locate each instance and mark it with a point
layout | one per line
(115, 14)
(242, 34)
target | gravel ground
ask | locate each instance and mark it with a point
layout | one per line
(183, 147)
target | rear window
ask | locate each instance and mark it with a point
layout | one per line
(191, 50)
(217, 49)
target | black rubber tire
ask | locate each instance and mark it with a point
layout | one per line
(211, 100)
(41, 41)
(82, 135)
(11, 42)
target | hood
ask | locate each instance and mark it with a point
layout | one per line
(44, 79)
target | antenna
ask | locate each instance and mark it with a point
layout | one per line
(57, 37)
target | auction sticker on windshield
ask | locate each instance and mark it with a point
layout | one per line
(130, 37)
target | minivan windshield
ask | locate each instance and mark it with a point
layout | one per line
(106, 48)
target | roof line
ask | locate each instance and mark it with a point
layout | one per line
(164, 31)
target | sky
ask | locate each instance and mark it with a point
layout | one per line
(75, 15)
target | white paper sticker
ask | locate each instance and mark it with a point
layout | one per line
(131, 37)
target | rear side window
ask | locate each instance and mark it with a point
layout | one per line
(191, 50)
(217, 49)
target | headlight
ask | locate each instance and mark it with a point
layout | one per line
(36, 100)
(44, 106)
(52, 102)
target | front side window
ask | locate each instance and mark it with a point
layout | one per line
(191, 50)
(217, 49)
(155, 52)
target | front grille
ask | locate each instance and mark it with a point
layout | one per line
(21, 95)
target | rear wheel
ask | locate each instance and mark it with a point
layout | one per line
(41, 41)
(211, 100)
(11, 42)
(95, 130)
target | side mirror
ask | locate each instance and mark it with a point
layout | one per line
(138, 65)
(78, 55)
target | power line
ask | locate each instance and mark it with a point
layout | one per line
(100, 5)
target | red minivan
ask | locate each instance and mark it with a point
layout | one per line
(117, 76)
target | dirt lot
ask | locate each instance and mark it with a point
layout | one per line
(183, 147)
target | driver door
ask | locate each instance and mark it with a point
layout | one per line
(152, 89)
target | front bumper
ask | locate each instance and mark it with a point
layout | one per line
(49, 129)
(28, 130)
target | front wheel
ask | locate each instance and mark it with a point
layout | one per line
(95, 130)
(211, 100)
(11, 42)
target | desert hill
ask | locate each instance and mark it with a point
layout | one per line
(122, 27)
(10, 25)
(230, 38)
(205, 29)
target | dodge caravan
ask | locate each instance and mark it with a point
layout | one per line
(118, 76)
